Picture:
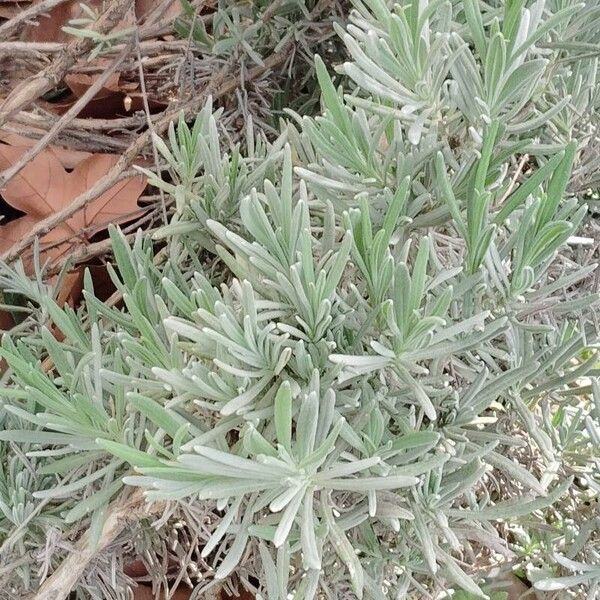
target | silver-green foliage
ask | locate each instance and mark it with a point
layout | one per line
(375, 340)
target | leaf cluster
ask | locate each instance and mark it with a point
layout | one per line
(354, 338)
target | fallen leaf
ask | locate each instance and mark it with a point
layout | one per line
(116, 98)
(104, 286)
(49, 25)
(6, 323)
(135, 568)
(38, 189)
(243, 595)
(71, 288)
(43, 187)
(116, 205)
(52, 243)
(10, 8)
(144, 592)
(79, 83)
(68, 158)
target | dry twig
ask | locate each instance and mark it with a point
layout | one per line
(138, 146)
(41, 121)
(37, 8)
(515, 178)
(28, 156)
(148, 47)
(32, 88)
(142, 80)
(122, 511)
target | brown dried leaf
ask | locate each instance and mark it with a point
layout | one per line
(243, 595)
(106, 104)
(9, 8)
(38, 189)
(72, 287)
(117, 98)
(79, 83)
(53, 243)
(68, 158)
(49, 26)
(144, 592)
(117, 204)
(6, 323)
(43, 187)
(135, 568)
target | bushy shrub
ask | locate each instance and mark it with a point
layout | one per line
(360, 345)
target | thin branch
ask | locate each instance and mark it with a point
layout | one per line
(37, 8)
(271, 10)
(514, 179)
(147, 47)
(28, 156)
(89, 251)
(122, 512)
(32, 88)
(41, 121)
(137, 146)
(142, 80)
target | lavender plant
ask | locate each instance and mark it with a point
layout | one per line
(367, 350)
